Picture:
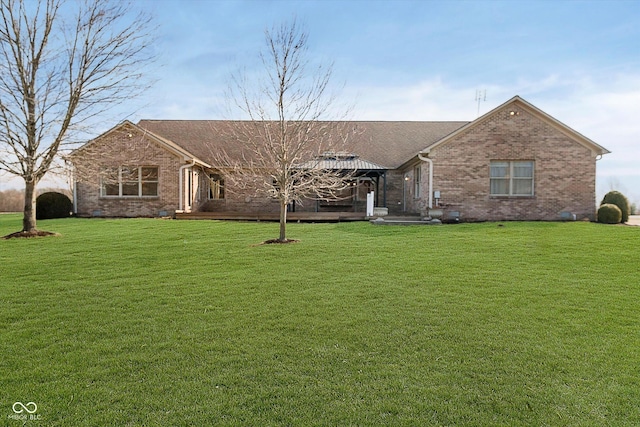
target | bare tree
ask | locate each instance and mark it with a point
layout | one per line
(284, 145)
(59, 69)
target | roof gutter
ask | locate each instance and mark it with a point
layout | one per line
(425, 158)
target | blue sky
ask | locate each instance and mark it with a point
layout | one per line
(423, 60)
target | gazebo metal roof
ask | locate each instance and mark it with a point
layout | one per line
(341, 161)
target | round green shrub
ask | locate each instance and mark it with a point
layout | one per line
(53, 205)
(609, 213)
(618, 199)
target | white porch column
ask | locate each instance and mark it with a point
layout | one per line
(181, 185)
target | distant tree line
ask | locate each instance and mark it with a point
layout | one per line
(13, 200)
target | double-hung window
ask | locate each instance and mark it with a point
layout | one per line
(511, 178)
(129, 181)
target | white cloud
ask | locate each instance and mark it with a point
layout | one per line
(427, 100)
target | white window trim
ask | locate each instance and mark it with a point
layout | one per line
(140, 182)
(511, 178)
(417, 185)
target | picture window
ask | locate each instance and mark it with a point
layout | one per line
(129, 181)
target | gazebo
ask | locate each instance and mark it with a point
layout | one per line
(362, 175)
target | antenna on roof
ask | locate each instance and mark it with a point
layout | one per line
(481, 95)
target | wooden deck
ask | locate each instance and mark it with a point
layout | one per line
(267, 216)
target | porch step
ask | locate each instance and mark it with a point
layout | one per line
(403, 220)
(274, 216)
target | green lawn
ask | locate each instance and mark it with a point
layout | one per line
(191, 323)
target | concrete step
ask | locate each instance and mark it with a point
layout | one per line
(404, 220)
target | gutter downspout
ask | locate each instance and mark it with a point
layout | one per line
(181, 183)
(430, 161)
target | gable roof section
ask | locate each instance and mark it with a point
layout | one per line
(530, 108)
(386, 144)
(159, 140)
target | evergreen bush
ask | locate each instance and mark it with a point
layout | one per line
(609, 213)
(53, 205)
(618, 199)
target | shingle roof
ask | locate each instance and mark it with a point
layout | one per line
(386, 144)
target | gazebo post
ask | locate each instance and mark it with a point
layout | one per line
(384, 189)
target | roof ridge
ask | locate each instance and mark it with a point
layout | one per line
(319, 121)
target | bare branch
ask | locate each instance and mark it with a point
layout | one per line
(284, 140)
(57, 73)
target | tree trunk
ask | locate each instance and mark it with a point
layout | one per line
(283, 221)
(29, 217)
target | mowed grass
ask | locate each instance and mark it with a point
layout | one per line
(147, 322)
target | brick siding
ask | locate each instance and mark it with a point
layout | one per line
(126, 146)
(564, 175)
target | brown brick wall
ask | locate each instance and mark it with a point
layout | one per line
(118, 148)
(234, 202)
(240, 200)
(564, 176)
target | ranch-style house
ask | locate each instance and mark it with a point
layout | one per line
(513, 163)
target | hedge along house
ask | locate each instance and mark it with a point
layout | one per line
(513, 163)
